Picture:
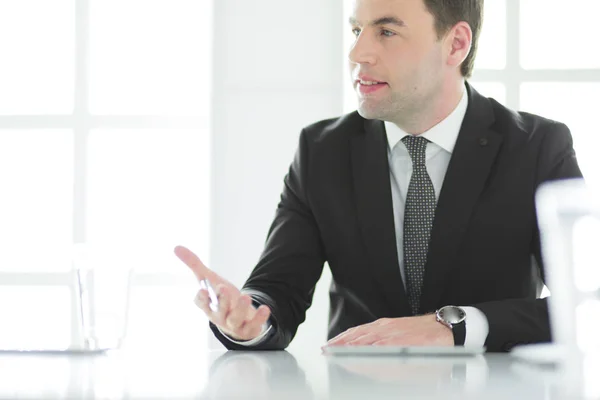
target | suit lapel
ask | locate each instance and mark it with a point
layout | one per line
(474, 153)
(373, 196)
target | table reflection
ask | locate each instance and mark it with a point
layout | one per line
(410, 375)
(279, 375)
(257, 375)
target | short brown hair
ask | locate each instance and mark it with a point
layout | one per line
(448, 13)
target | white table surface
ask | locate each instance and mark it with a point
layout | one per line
(307, 375)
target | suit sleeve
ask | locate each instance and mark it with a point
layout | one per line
(522, 321)
(292, 261)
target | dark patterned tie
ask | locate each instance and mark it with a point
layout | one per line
(418, 220)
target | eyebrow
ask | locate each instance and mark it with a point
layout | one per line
(388, 20)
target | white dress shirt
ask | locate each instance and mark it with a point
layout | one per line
(443, 137)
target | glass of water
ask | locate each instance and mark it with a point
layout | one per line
(103, 281)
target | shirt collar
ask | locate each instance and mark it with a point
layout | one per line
(444, 134)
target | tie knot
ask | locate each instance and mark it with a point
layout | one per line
(416, 147)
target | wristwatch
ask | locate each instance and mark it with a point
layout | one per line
(454, 318)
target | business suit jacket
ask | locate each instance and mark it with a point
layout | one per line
(336, 206)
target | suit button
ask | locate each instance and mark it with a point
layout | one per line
(483, 142)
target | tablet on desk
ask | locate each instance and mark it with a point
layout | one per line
(403, 350)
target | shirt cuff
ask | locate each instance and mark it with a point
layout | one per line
(477, 327)
(266, 328)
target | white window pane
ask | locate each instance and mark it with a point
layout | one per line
(588, 321)
(495, 90)
(37, 43)
(574, 104)
(165, 320)
(491, 50)
(149, 189)
(150, 57)
(558, 35)
(349, 100)
(38, 317)
(35, 377)
(36, 177)
(585, 264)
(166, 316)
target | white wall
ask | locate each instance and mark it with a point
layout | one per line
(277, 68)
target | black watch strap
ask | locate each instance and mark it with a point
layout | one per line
(459, 331)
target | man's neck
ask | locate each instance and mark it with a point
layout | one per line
(439, 109)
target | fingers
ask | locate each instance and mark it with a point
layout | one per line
(352, 334)
(196, 265)
(360, 335)
(241, 312)
(364, 340)
(253, 327)
(346, 336)
(202, 301)
(236, 315)
(339, 341)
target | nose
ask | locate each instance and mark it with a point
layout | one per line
(362, 50)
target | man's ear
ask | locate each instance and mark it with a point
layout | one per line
(458, 43)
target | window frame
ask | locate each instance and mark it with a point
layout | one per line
(81, 122)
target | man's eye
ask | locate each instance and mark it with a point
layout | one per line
(385, 32)
(356, 32)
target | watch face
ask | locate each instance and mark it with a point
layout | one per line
(452, 314)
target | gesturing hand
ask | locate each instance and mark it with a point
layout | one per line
(236, 316)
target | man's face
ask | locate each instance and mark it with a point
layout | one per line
(397, 46)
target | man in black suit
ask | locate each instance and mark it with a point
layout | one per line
(422, 202)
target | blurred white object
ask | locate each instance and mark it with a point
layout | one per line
(568, 214)
(569, 219)
(103, 285)
(214, 300)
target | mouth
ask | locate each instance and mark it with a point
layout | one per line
(367, 86)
